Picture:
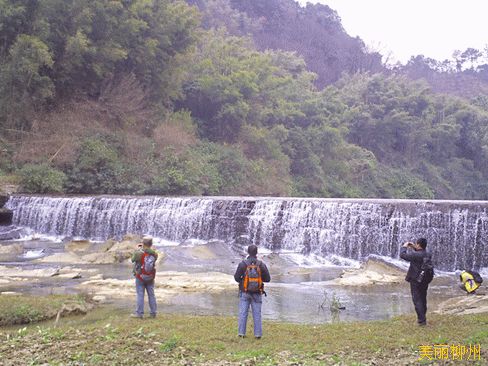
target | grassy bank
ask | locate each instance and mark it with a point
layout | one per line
(108, 337)
(31, 309)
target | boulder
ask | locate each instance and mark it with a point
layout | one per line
(27, 273)
(75, 308)
(113, 252)
(132, 237)
(12, 249)
(84, 252)
(70, 258)
(77, 246)
(69, 308)
(11, 233)
(168, 284)
(464, 304)
(8, 189)
(3, 198)
(69, 273)
(99, 299)
(99, 258)
(106, 245)
(20, 274)
(6, 216)
(373, 272)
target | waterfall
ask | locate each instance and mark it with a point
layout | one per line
(457, 231)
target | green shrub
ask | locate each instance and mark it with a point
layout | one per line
(41, 179)
(97, 169)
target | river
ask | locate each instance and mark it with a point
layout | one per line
(306, 243)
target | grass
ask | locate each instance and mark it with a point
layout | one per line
(108, 337)
(8, 179)
(20, 309)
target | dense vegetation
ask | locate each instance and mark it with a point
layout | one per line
(159, 97)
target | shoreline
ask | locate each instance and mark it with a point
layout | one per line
(106, 335)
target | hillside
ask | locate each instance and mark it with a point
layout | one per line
(162, 98)
(314, 32)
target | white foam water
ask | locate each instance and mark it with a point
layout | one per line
(33, 254)
(316, 261)
(333, 229)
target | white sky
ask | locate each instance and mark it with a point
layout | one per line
(433, 28)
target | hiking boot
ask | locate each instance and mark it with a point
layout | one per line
(152, 315)
(422, 324)
(241, 336)
(257, 337)
(135, 316)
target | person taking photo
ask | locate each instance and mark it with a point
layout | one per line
(419, 275)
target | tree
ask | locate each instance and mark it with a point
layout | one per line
(24, 85)
(97, 169)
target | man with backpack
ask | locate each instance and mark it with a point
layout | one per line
(144, 259)
(470, 281)
(251, 273)
(420, 274)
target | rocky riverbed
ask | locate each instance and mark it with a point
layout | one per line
(197, 277)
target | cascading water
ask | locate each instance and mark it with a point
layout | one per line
(100, 218)
(457, 232)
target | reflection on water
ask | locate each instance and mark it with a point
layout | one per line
(294, 295)
(301, 305)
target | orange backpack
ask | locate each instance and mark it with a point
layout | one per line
(253, 283)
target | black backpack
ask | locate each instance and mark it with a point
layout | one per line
(476, 277)
(427, 271)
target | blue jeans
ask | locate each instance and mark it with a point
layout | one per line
(140, 288)
(255, 301)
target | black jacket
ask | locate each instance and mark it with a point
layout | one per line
(241, 270)
(416, 258)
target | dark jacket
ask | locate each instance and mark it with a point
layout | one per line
(241, 270)
(416, 258)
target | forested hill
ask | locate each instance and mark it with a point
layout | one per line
(159, 97)
(314, 32)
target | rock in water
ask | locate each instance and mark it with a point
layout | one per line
(13, 249)
(372, 272)
(77, 246)
(11, 232)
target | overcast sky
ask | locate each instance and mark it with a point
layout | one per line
(434, 28)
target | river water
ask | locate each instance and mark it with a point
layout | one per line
(306, 242)
(457, 231)
(298, 289)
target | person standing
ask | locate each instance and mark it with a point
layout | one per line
(420, 274)
(144, 260)
(251, 273)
